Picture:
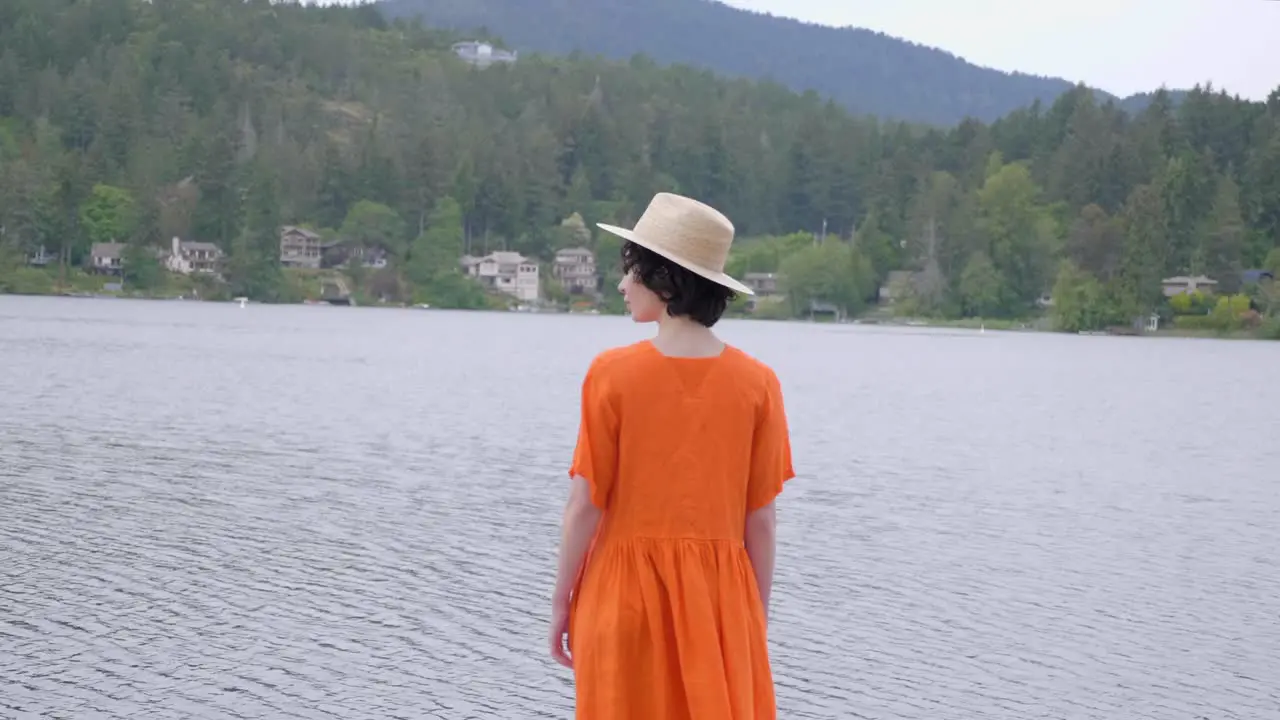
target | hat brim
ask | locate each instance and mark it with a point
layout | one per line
(716, 277)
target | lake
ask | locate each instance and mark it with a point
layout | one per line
(310, 512)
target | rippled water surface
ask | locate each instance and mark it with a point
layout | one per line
(273, 512)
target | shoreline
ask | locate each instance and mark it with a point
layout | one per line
(978, 325)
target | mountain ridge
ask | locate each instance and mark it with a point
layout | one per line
(866, 71)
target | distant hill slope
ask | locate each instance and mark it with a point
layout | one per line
(867, 72)
(1135, 104)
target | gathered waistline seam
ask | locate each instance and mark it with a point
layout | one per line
(674, 538)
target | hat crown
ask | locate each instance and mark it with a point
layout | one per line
(688, 229)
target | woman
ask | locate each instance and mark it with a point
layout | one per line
(666, 562)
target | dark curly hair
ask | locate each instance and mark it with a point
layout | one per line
(686, 293)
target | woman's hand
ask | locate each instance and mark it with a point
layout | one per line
(559, 635)
(581, 518)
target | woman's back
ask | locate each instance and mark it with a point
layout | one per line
(700, 442)
(667, 620)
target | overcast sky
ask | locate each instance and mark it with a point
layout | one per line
(1121, 46)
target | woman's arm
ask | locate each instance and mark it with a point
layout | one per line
(770, 470)
(761, 539)
(581, 518)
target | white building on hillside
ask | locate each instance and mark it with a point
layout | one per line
(509, 272)
(575, 268)
(186, 257)
(482, 54)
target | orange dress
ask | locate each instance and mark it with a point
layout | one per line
(666, 621)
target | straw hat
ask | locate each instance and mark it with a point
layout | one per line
(692, 235)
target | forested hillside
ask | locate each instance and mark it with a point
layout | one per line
(866, 72)
(220, 120)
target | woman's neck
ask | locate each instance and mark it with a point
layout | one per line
(682, 337)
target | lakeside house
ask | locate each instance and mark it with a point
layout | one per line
(106, 258)
(763, 284)
(41, 257)
(1183, 284)
(482, 54)
(300, 248)
(372, 257)
(341, 254)
(575, 269)
(1257, 277)
(766, 286)
(185, 257)
(507, 272)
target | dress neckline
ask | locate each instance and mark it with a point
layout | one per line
(724, 350)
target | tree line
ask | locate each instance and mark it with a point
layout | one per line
(220, 120)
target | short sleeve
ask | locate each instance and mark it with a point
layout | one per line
(770, 448)
(595, 458)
